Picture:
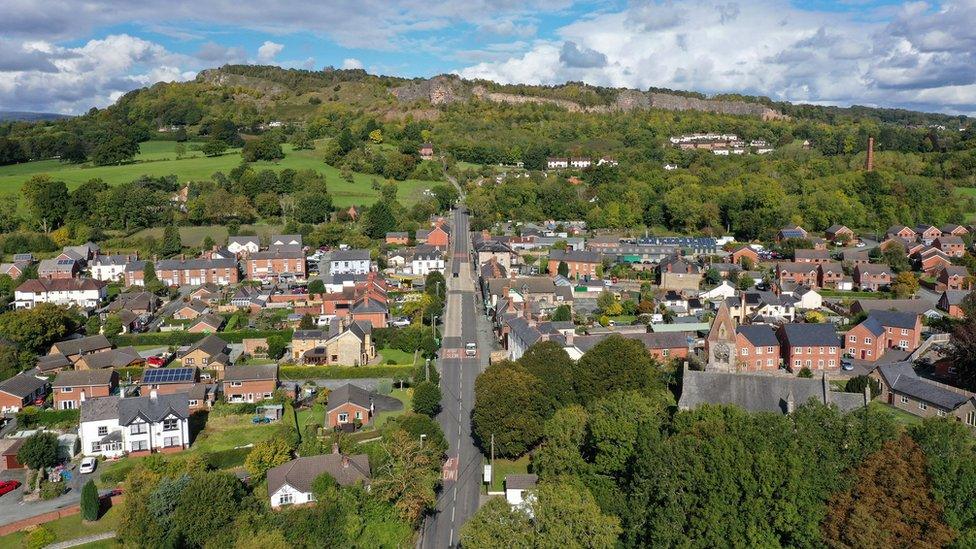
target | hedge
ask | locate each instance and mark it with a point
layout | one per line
(31, 417)
(344, 372)
(178, 338)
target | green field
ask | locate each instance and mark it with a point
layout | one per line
(157, 158)
(69, 528)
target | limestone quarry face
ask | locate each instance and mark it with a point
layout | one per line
(440, 90)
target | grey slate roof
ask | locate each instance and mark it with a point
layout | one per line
(920, 306)
(811, 335)
(113, 358)
(153, 409)
(251, 373)
(52, 362)
(349, 255)
(759, 393)
(580, 256)
(22, 385)
(301, 472)
(98, 409)
(212, 345)
(350, 393)
(895, 319)
(80, 345)
(901, 377)
(76, 378)
(759, 335)
(531, 284)
(521, 329)
(955, 297)
(521, 482)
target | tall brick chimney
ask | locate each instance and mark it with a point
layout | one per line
(870, 161)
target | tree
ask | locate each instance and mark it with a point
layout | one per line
(857, 384)
(114, 150)
(551, 365)
(608, 303)
(379, 220)
(265, 455)
(563, 269)
(376, 136)
(39, 537)
(265, 147)
(951, 467)
(615, 424)
(39, 450)
(889, 503)
(562, 314)
(446, 196)
(407, 476)
(34, 330)
(566, 515)
(307, 322)
(712, 276)
(435, 284)
(312, 207)
(301, 141)
(180, 150)
(498, 524)
(276, 347)
(172, 243)
(905, 284)
(89, 501)
(214, 147)
(113, 325)
(207, 508)
(427, 399)
(420, 426)
(561, 452)
(510, 404)
(316, 287)
(46, 201)
(615, 364)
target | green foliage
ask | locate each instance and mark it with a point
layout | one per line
(39, 450)
(46, 201)
(563, 269)
(551, 365)
(32, 417)
(561, 453)
(857, 384)
(113, 325)
(214, 147)
(276, 347)
(266, 147)
(206, 508)
(426, 398)
(51, 490)
(114, 150)
(89, 501)
(562, 314)
(39, 537)
(510, 405)
(950, 463)
(227, 459)
(378, 220)
(266, 455)
(805, 373)
(407, 476)
(615, 364)
(171, 244)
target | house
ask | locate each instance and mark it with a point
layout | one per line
(191, 310)
(202, 396)
(168, 381)
(872, 276)
(580, 263)
(425, 260)
(208, 293)
(902, 388)
(580, 163)
(9, 448)
(840, 233)
(557, 163)
(743, 252)
(194, 272)
(932, 260)
(54, 269)
(883, 330)
(855, 257)
(811, 256)
(349, 404)
(761, 392)
(241, 246)
(352, 346)
(951, 302)
(928, 234)
(250, 383)
(757, 348)
(953, 246)
(901, 231)
(114, 426)
(491, 249)
(291, 483)
(285, 241)
(427, 151)
(830, 275)
(73, 349)
(951, 229)
(71, 388)
(398, 238)
(282, 263)
(517, 486)
(21, 390)
(350, 261)
(206, 323)
(920, 306)
(210, 353)
(724, 290)
(791, 232)
(110, 268)
(805, 298)
(811, 346)
(953, 277)
(135, 273)
(81, 292)
(52, 364)
(14, 270)
(123, 357)
(678, 274)
(436, 236)
(806, 274)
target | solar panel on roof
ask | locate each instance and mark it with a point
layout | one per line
(168, 375)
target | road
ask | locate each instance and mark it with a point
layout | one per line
(169, 308)
(459, 498)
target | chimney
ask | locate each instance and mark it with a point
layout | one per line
(870, 161)
(81, 398)
(153, 395)
(335, 447)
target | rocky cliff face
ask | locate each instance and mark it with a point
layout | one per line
(440, 90)
(217, 77)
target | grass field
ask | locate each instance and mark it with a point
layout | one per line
(72, 527)
(505, 467)
(194, 236)
(397, 356)
(404, 396)
(157, 158)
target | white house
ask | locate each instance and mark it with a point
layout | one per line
(557, 163)
(347, 262)
(83, 292)
(109, 268)
(807, 298)
(518, 489)
(115, 426)
(241, 245)
(425, 260)
(291, 483)
(580, 163)
(724, 290)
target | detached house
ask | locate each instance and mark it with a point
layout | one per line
(73, 349)
(951, 229)
(210, 353)
(55, 269)
(250, 383)
(883, 330)
(872, 277)
(840, 233)
(291, 483)
(191, 310)
(791, 232)
(901, 231)
(953, 277)
(347, 262)
(743, 252)
(19, 391)
(137, 426)
(927, 233)
(81, 292)
(438, 236)
(902, 388)
(812, 346)
(952, 246)
(71, 388)
(798, 273)
(951, 302)
(932, 260)
(349, 404)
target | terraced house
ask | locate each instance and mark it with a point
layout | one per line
(194, 272)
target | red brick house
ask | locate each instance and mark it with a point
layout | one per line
(581, 263)
(73, 387)
(829, 275)
(951, 302)
(664, 345)
(901, 231)
(757, 348)
(927, 233)
(839, 233)
(953, 277)
(811, 256)
(20, 391)
(952, 245)
(856, 257)
(872, 276)
(883, 330)
(437, 237)
(272, 264)
(813, 346)
(398, 238)
(168, 381)
(951, 229)
(744, 251)
(798, 273)
(932, 260)
(349, 405)
(250, 383)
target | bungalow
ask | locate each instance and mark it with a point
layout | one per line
(137, 426)
(349, 404)
(21, 390)
(811, 256)
(291, 483)
(951, 302)
(208, 293)
(811, 346)
(953, 277)
(806, 298)
(73, 349)
(250, 383)
(840, 233)
(920, 306)
(123, 357)
(902, 388)
(872, 277)
(883, 330)
(741, 252)
(580, 263)
(71, 388)
(953, 246)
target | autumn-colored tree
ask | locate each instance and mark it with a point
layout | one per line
(905, 284)
(889, 503)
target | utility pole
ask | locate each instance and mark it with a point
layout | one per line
(492, 477)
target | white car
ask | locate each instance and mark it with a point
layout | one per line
(470, 349)
(87, 465)
(401, 322)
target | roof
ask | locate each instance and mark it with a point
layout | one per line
(210, 320)
(901, 377)
(113, 358)
(98, 409)
(81, 345)
(211, 345)
(60, 285)
(76, 378)
(251, 373)
(301, 472)
(834, 228)
(958, 270)
(809, 335)
(578, 256)
(280, 252)
(759, 335)
(183, 264)
(52, 362)
(796, 267)
(153, 409)
(895, 319)
(242, 240)
(811, 254)
(873, 269)
(162, 376)
(522, 284)
(22, 385)
(521, 482)
(759, 393)
(525, 332)
(350, 393)
(349, 255)
(920, 306)
(955, 297)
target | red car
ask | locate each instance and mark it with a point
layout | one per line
(8, 486)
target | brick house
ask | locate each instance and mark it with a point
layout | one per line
(250, 383)
(21, 390)
(901, 231)
(436, 236)
(662, 346)
(813, 346)
(811, 256)
(398, 238)
(757, 349)
(839, 233)
(349, 404)
(902, 388)
(168, 381)
(798, 273)
(73, 349)
(272, 264)
(932, 260)
(191, 310)
(194, 272)
(740, 252)
(927, 233)
(210, 353)
(206, 324)
(829, 275)
(855, 257)
(872, 276)
(883, 330)
(953, 277)
(71, 388)
(953, 246)
(581, 263)
(951, 229)
(123, 357)
(791, 232)
(950, 302)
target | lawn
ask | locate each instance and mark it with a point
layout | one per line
(397, 356)
(853, 294)
(194, 236)
(404, 396)
(155, 160)
(901, 417)
(68, 528)
(503, 467)
(224, 433)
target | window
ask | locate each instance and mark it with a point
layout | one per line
(904, 332)
(821, 350)
(797, 363)
(236, 384)
(904, 399)
(188, 361)
(809, 363)
(809, 350)
(758, 364)
(833, 350)
(359, 415)
(169, 442)
(869, 352)
(940, 413)
(284, 499)
(171, 424)
(139, 445)
(192, 403)
(97, 446)
(343, 418)
(820, 364)
(971, 418)
(745, 351)
(665, 352)
(102, 431)
(889, 330)
(923, 406)
(769, 350)
(867, 341)
(67, 389)
(138, 429)
(832, 363)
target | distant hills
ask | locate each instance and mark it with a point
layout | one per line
(22, 116)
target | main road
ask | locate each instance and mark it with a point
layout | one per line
(462, 485)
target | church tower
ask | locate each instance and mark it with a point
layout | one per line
(720, 344)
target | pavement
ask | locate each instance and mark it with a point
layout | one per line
(460, 496)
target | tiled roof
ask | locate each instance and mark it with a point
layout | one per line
(301, 472)
(809, 335)
(21, 385)
(759, 335)
(759, 393)
(901, 377)
(251, 373)
(75, 378)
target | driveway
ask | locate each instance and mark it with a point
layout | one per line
(14, 508)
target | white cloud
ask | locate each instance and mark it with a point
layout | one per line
(268, 51)
(352, 63)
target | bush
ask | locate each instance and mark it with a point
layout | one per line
(89, 501)
(227, 459)
(32, 417)
(857, 383)
(427, 399)
(179, 338)
(39, 450)
(222, 409)
(384, 387)
(39, 537)
(343, 372)
(51, 490)
(805, 373)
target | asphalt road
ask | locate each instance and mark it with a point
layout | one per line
(461, 492)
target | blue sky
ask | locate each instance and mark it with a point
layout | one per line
(69, 55)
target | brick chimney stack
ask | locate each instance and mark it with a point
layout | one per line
(870, 160)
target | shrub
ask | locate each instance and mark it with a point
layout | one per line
(426, 399)
(222, 409)
(32, 417)
(805, 373)
(857, 383)
(227, 459)
(384, 387)
(51, 490)
(39, 537)
(89, 501)
(39, 450)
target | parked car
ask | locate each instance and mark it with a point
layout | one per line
(87, 465)
(846, 364)
(8, 486)
(400, 322)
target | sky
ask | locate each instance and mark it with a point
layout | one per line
(66, 56)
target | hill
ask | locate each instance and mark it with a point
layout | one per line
(21, 116)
